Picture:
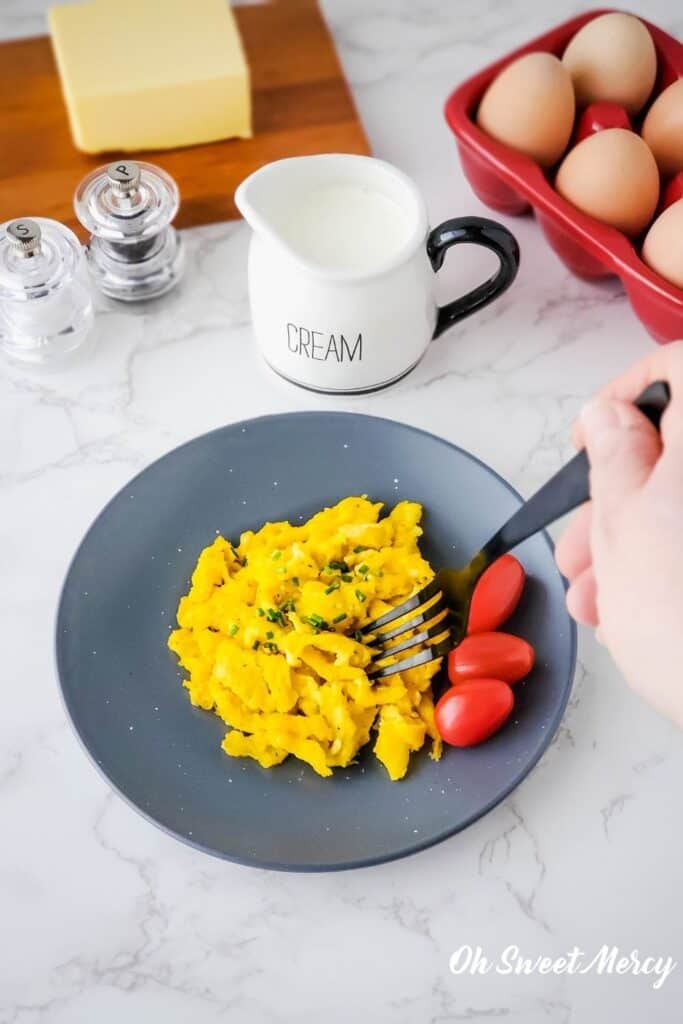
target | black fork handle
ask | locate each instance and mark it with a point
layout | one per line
(568, 488)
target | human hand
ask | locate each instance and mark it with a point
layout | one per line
(623, 551)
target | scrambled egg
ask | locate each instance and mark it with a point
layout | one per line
(268, 635)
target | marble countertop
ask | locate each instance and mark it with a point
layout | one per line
(103, 917)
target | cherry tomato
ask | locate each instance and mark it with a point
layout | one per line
(496, 595)
(472, 711)
(498, 655)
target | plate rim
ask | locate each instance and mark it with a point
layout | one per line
(313, 867)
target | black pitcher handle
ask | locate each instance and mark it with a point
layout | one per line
(476, 231)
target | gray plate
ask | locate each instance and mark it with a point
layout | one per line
(122, 686)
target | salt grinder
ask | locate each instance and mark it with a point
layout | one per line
(128, 206)
(45, 306)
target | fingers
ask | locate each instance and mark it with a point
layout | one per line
(582, 599)
(573, 557)
(573, 550)
(665, 363)
(622, 447)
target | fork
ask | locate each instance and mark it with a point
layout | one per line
(440, 610)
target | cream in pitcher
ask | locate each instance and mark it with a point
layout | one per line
(341, 270)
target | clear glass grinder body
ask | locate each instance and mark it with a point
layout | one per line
(134, 253)
(45, 304)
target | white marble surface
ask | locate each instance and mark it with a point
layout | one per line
(102, 917)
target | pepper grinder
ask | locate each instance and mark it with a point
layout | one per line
(128, 206)
(45, 306)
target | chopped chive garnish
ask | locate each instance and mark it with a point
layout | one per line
(273, 648)
(287, 606)
(358, 636)
(337, 565)
(317, 621)
(256, 644)
(361, 596)
(360, 547)
(275, 555)
(233, 629)
(270, 635)
(274, 616)
(295, 581)
(346, 578)
(333, 586)
(339, 618)
(260, 612)
(364, 569)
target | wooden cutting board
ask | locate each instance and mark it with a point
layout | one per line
(301, 105)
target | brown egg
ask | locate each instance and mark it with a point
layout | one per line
(663, 245)
(530, 107)
(612, 176)
(612, 58)
(663, 129)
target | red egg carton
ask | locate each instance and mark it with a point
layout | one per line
(513, 183)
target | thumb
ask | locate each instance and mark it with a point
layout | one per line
(622, 448)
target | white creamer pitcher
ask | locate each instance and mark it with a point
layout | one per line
(342, 270)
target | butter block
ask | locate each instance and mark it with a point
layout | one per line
(144, 74)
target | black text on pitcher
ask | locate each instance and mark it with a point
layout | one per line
(322, 346)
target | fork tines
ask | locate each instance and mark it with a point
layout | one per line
(427, 654)
(416, 601)
(433, 615)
